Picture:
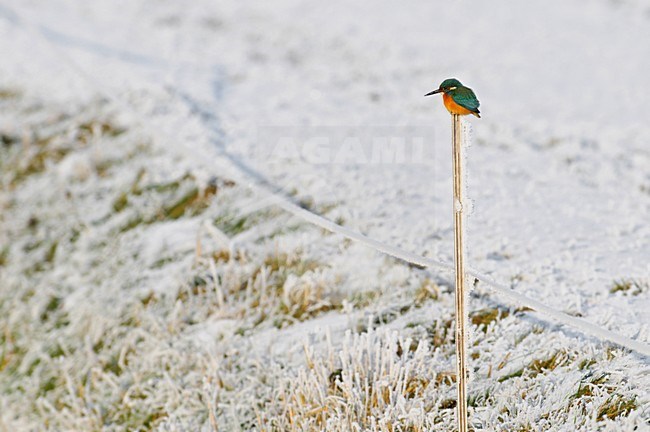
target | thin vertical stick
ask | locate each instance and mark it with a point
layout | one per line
(459, 254)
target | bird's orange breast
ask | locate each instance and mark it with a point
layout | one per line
(453, 107)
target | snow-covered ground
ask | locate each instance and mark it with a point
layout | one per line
(144, 284)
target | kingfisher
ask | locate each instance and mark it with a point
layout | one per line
(457, 98)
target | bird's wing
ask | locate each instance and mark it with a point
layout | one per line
(466, 98)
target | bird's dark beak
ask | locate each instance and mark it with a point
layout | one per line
(434, 92)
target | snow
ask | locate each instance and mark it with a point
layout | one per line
(557, 196)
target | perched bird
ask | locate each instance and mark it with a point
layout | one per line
(457, 98)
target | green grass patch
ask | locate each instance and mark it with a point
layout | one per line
(232, 225)
(616, 406)
(441, 333)
(538, 366)
(427, 290)
(4, 255)
(120, 202)
(174, 199)
(629, 286)
(586, 388)
(182, 204)
(9, 93)
(484, 317)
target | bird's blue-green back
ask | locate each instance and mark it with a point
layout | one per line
(465, 97)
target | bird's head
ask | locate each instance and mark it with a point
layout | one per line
(446, 86)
